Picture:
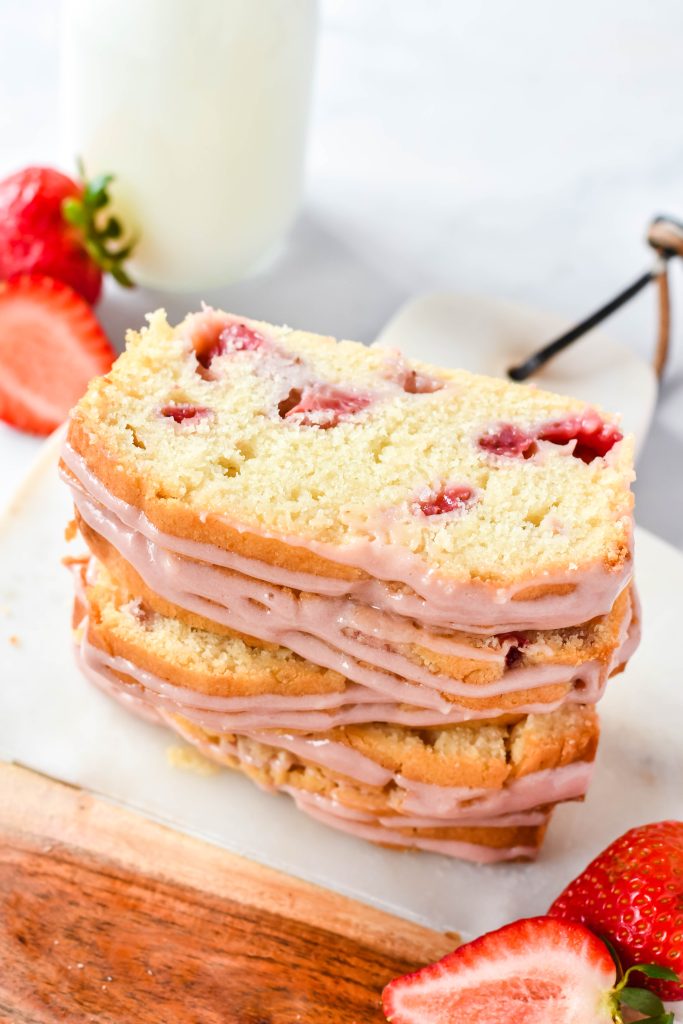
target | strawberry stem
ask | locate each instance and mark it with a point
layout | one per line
(85, 214)
(641, 999)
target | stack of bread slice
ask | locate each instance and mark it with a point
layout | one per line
(391, 591)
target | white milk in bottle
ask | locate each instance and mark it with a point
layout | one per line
(199, 108)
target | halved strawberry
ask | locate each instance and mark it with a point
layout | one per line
(50, 346)
(529, 972)
(534, 971)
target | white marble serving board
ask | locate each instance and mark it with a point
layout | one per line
(53, 721)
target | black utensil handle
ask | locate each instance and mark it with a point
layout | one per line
(665, 235)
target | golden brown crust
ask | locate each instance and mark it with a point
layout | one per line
(291, 770)
(379, 801)
(293, 677)
(490, 754)
(534, 748)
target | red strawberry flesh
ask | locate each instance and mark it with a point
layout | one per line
(325, 405)
(594, 438)
(50, 346)
(507, 440)
(517, 641)
(414, 383)
(450, 499)
(632, 894)
(528, 972)
(240, 338)
(224, 338)
(183, 411)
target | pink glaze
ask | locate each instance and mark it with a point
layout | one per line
(270, 711)
(337, 815)
(320, 629)
(334, 806)
(126, 696)
(545, 787)
(525, 818)
(337, 757)
(279, 617)
(416, 798)
(448, 847)
(472, 607)
(382, 829)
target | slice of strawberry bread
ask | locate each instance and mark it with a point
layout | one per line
(293, 536)
(341, 461)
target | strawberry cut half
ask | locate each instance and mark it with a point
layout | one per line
(51, 345)
(529, 972)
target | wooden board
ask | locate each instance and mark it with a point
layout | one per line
(108, 917)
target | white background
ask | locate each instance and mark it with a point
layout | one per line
(517, 149)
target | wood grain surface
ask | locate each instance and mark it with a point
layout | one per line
(108, 917)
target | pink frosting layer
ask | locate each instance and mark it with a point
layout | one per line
(399, 821)
(329, 631)
(471, 606)
(508, 807)
(544, 787)
(308, 712)
(379, 833)
(384, 829)
(446, 803)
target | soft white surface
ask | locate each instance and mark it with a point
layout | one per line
(515, 149)
(52, 720)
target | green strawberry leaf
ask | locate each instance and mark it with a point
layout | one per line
(662, 1018)
(98, 231)
(112, 229)
(120, 275)
(641, 999)
(655, 971)
(96, 190)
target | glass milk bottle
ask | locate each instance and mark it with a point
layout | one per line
(200, 109)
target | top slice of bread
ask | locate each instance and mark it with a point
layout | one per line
(260, 463)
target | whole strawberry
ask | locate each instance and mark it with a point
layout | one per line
(535, 971)
(57, 227)
(632, 895)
